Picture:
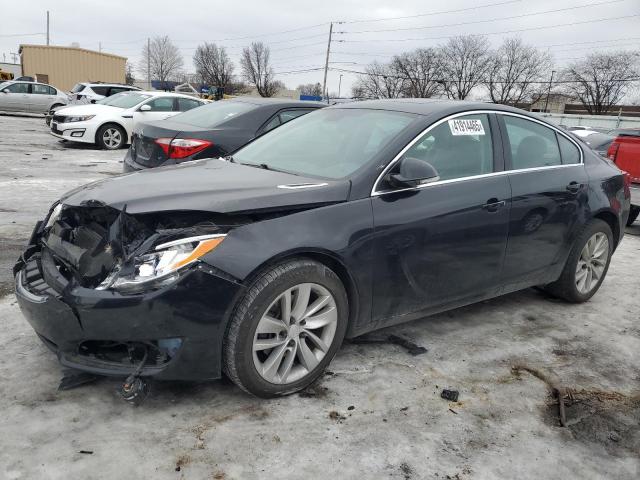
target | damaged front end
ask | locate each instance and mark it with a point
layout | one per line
(101, 247)
(107, 290)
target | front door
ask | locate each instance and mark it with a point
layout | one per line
(444, 242)
(15, 97)
(159, 108)
(549, 200)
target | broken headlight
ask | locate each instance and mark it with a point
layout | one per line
(161, 265)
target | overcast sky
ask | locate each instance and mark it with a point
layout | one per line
(123, 26)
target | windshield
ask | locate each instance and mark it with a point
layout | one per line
(214, 114)
(124, 99)
(330, 143)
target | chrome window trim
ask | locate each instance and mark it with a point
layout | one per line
(396, 159)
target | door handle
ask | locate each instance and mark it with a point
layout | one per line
(574, 187)
(493, 204)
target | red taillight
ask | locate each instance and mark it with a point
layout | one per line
(612, 152)
(182, 147)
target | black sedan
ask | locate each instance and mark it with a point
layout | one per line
(210, 131)
(356, 217)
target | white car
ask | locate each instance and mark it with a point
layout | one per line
(85, 92)
(30, 97)
(109, 122)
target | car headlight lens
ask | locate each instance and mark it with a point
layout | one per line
(82, 118)
(161, 265)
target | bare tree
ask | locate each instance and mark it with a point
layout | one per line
(213, 65)
(515, 72)
(421, 73)
(601, 80)
(257, 69)
(129, 78)
(161, 58)
(379, 81)
(310, 89)
(465, 63)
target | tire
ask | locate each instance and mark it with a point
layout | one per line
(568, 286)
(246, 357)
(633, 214)
(111, 137)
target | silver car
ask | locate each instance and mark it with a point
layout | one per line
(30, 97)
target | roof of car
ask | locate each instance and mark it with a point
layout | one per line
(106, 84)
(287, 102)
(426, 106)
(160, 93)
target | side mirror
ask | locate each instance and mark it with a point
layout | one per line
(145, 108)
(93, 101)
(413, 172)
(5, 91)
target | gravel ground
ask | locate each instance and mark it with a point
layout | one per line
(376, 414)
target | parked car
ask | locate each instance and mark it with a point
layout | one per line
(86, 92)
(355, 217)
(624, 151)
(214, 130)
(108, 123)
(32, 97)
(600, 142)
(625, 131)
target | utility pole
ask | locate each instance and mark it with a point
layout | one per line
(47, 27)
(13, 56)
(546, 103)
(100, 47)
(149, 62)
(339, 85)
(326, 63)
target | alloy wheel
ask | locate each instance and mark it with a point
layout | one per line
(592, 262)
(112, 138)
(295, 333)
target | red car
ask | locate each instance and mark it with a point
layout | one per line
(625, 152)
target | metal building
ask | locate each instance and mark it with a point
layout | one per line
(63, 67)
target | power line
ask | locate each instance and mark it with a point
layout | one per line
(400, 77)
(487, 5)
(22, 34)
(495, 33)
(497, 19)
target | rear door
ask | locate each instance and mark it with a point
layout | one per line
(549, 198)
(41, 98)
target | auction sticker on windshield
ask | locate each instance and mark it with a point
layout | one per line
(466, 127)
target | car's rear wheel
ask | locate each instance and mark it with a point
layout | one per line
(111, 137)
(587, 264)
(286, 328)
(633, 214)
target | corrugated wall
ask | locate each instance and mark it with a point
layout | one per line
(66, 66)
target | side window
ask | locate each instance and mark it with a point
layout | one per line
(532, 145)
(273, 123)
(18, 88)
(458, 148)
(185, 104)
(40, 89)
(161, 104)
(289, 115)
(100, 90)
(568, 151)
(52, 91)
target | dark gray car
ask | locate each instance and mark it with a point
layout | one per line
(210, 131)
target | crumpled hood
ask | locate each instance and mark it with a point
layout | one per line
(89, 109)
(207, 185)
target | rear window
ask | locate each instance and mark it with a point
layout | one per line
(78, 87)
(213, 114)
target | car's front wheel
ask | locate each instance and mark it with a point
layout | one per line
(586, 265)
(286, 328)
(111, 137)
